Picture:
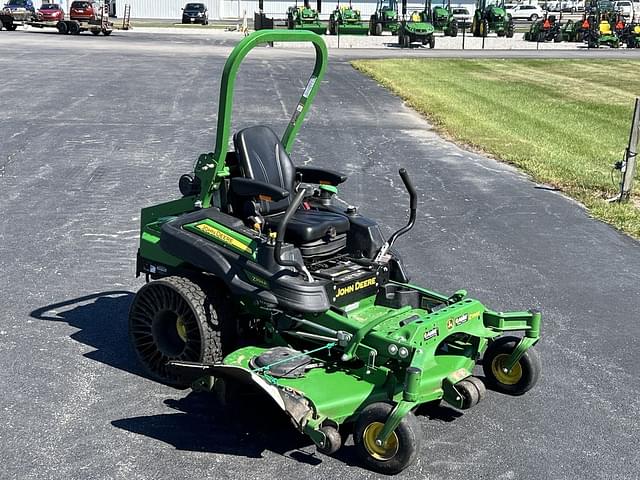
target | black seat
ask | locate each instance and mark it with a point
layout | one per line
(262, 157)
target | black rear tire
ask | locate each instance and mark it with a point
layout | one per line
(173, 318)
(378, 29)
(522, 377)
(400, 449)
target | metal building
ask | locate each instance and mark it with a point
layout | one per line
(234, 9)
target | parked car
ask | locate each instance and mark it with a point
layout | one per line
(461, 14)
(20, 5)
(625, 7)
(50, 12)
(85, 11)
(526, 12)
(19, 10)
(195, 13)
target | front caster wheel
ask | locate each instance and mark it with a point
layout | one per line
(398, 451)
(332, 443)
(522, 377)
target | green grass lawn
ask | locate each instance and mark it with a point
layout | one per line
(564, 122)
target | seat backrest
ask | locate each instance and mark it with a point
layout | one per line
(261, 156)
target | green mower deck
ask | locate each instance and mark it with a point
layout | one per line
(259, 276)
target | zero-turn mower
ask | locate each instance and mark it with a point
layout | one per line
(261, 276)
(491, 16)
(547, 29)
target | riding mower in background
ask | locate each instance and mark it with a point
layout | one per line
(385, 18)
(305, 18)
(347, 21)
(600, 33)
(491, 16)
(441, 17)
(415, 30)
(261, 277)
(547, 29)
(574, 31)
(630, 35)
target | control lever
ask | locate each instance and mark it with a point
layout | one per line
(282, 228)
(413, 207)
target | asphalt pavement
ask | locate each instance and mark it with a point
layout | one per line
(93, 129)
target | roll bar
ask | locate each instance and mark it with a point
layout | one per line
(210, 168)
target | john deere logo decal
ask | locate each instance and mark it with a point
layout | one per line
(222, 236)
(355, 286)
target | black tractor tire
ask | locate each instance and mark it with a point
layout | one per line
(74, 28)
(558, 37)
(400, 449)
(453, 29)
(523, 376)
(62, 28)
(332, 25)
(379, 29)
(95, 32)
(174, 318)
(11, 27)
(579, 37)
(432, 41)
(1, 25)
(106, 32)
(510, 30)
(541, 37)
(501, 33)
(484, 28)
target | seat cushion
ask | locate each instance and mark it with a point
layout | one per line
(310, 225)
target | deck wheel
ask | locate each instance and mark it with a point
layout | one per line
(521, 378)
(398, 451)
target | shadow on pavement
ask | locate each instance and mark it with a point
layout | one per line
(201, 424)
(101, 320)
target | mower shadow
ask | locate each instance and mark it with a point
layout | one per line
(201, 424)
(101, 320)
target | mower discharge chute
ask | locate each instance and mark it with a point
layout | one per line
(261, 275)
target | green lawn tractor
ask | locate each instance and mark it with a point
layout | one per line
(491, 16)
(260, 277)
(574, 31)
(415, 30)
(600, 33)
(547, 29)
(441, 17)
(305, 18)
(630, 35)
(347, 21)
(385, 18)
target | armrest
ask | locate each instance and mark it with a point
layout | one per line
(320, 176)
(247, 187)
